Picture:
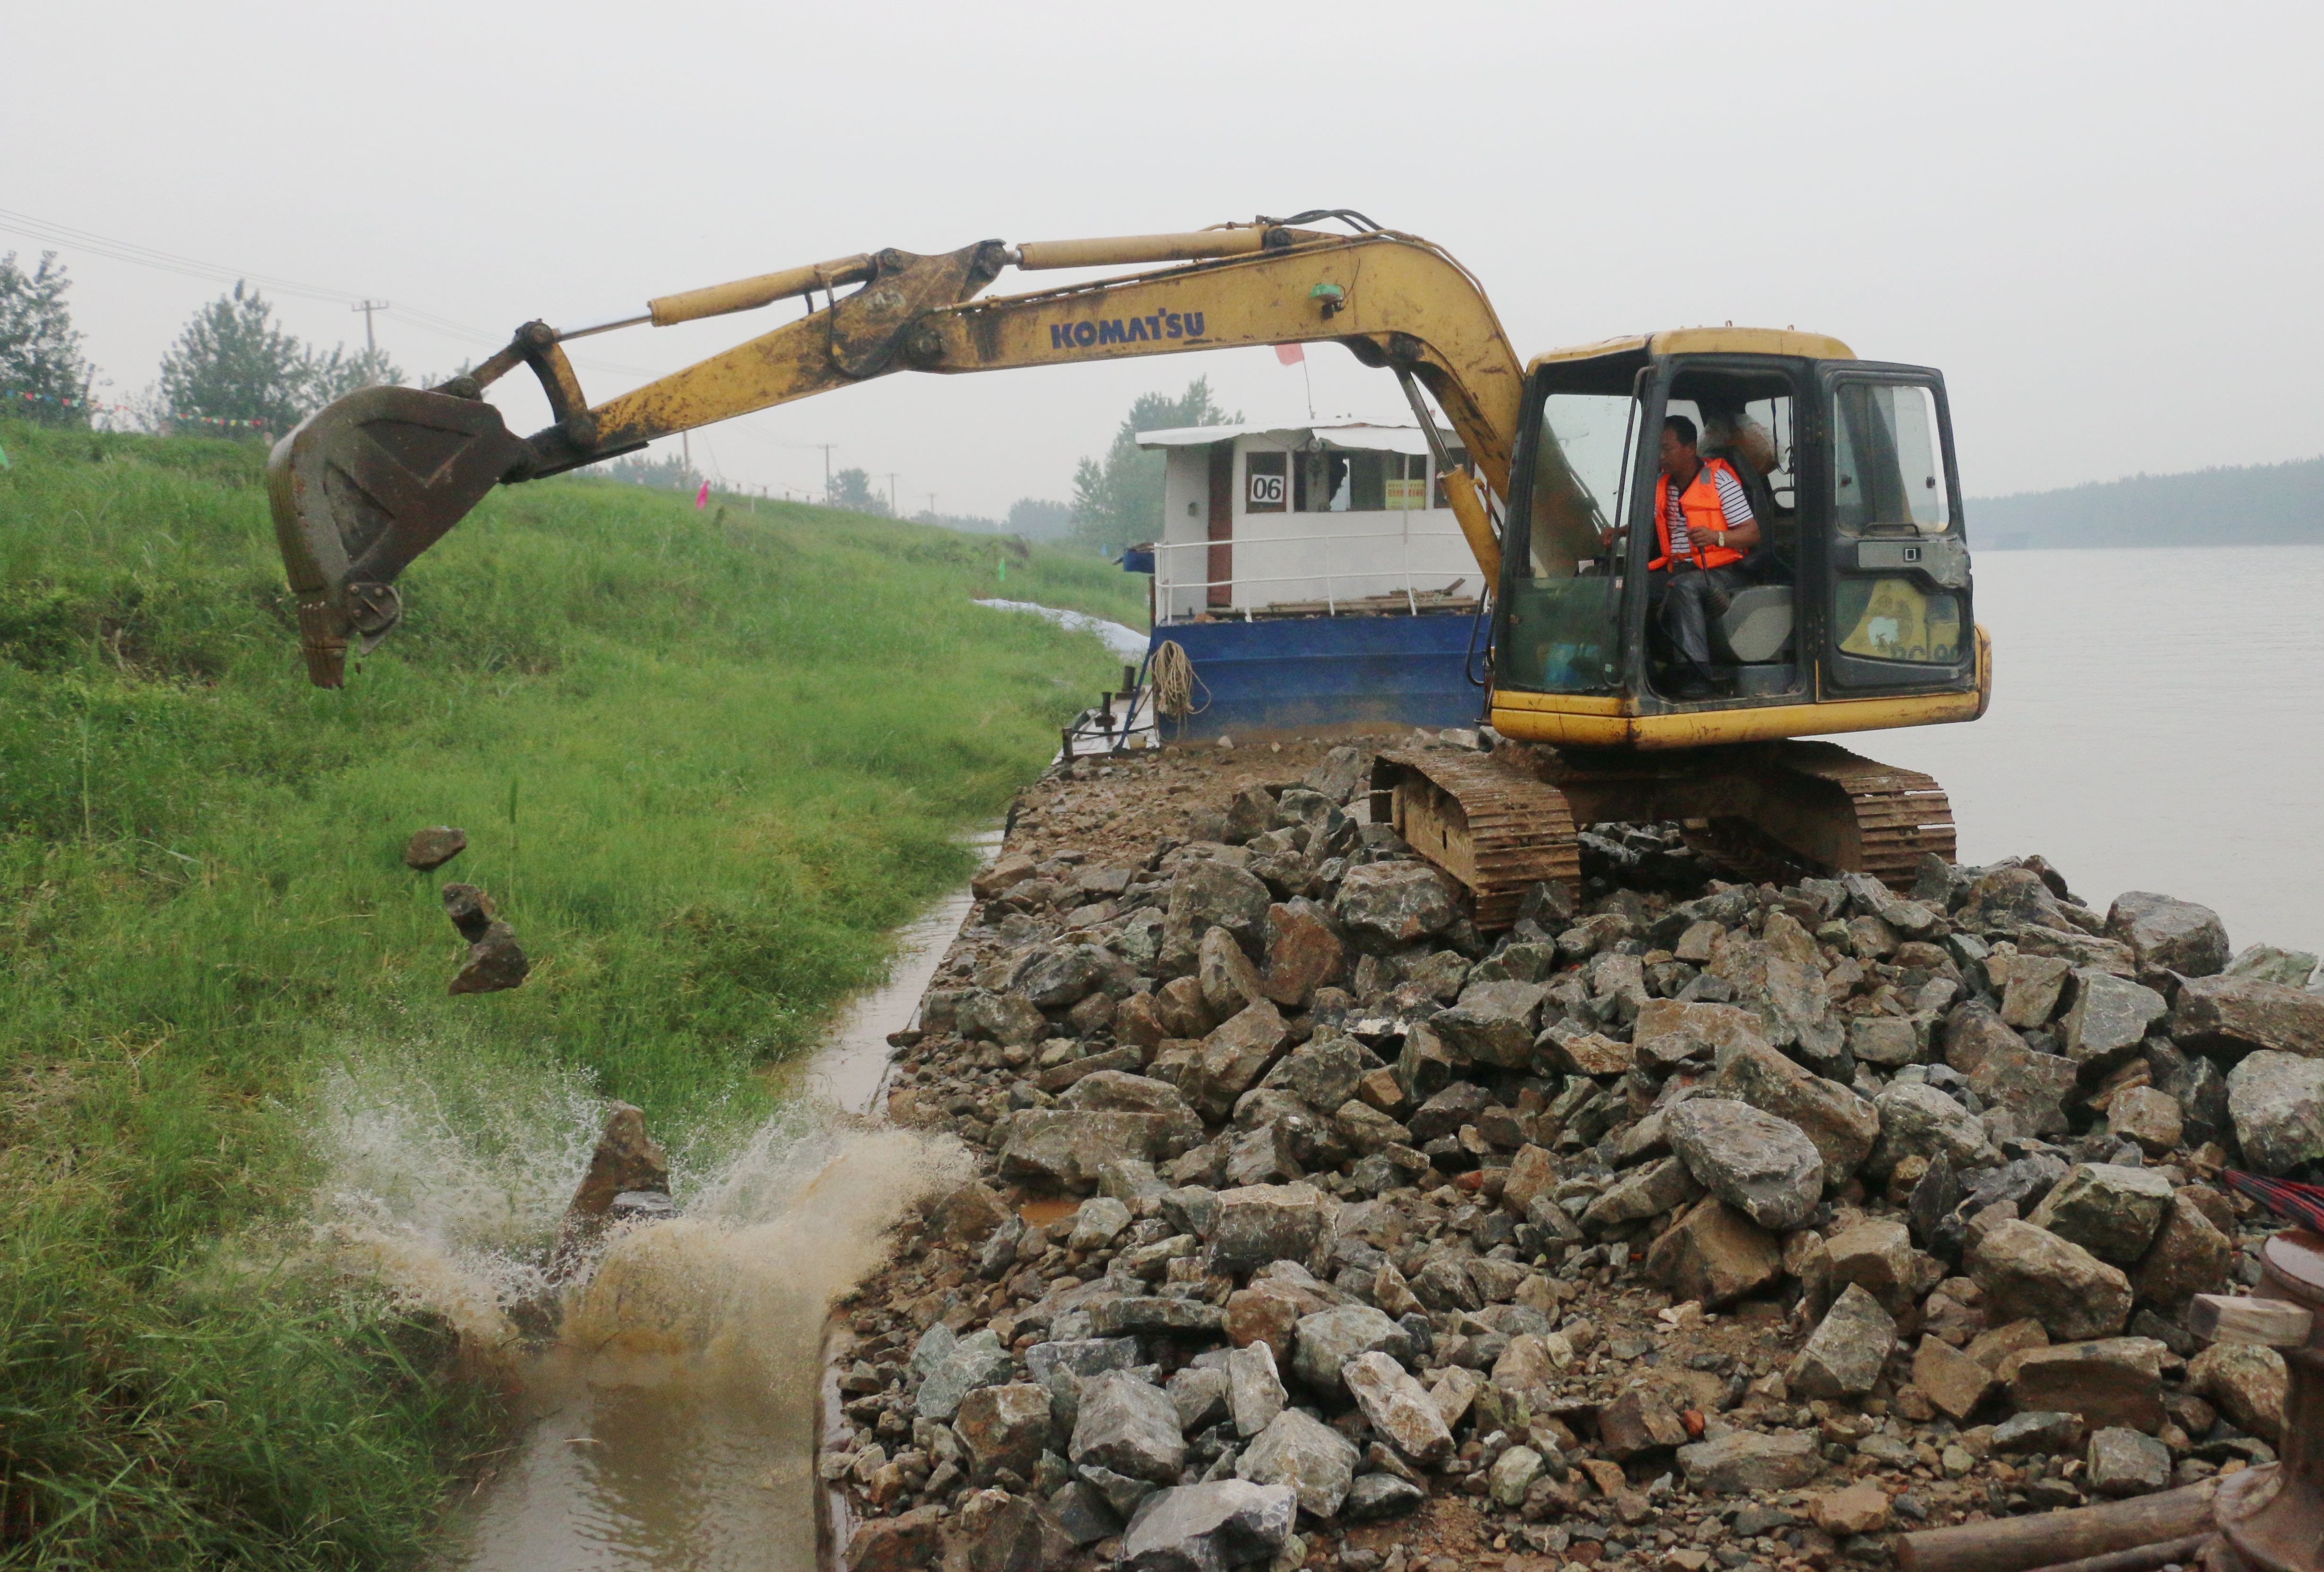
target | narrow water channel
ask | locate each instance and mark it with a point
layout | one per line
(672, 1428)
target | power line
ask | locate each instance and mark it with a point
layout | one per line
(67, 236)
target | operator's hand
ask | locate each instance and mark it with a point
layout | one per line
(1704, 538)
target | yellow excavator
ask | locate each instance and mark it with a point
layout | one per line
(1857, 616)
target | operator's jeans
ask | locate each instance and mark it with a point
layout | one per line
(1676, 602)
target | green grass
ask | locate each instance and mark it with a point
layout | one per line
(704, 761)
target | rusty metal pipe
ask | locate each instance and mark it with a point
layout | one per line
(750, 294)
(1121, 250)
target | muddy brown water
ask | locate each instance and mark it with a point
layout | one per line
(673, 1427)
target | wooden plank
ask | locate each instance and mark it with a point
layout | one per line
(2273, 1323)
(2018, 1544)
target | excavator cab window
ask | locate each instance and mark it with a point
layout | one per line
(1560, 626)
(1900, 610)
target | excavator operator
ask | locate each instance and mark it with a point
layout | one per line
(1705, 525)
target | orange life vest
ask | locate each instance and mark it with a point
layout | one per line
(1701, 505)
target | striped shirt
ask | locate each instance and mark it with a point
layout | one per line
(1734, 507)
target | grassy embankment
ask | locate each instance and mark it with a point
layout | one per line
(705, 761)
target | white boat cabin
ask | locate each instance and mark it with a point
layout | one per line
(1306, 521)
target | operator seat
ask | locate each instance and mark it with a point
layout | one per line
(1756, 629)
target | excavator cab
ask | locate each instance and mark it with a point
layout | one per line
(1855, 608)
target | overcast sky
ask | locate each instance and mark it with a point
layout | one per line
(2101, 221)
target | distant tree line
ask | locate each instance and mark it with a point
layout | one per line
(232, 368)
(2274, 504)
(1117, 500)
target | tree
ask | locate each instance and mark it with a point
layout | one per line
(670, 473)
(40, 351)
(339, 374)
(1119, 501)
(232, 363)
(852, 489)
(1037, 519)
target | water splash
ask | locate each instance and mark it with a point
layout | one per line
(672, 1415)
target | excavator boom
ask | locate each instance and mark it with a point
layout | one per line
(364, 486)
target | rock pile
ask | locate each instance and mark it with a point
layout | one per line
(1702, 1223)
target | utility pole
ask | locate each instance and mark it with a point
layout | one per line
(891, 490)
(932, 504)
(685, 448)
(371, 340)
(826, 448)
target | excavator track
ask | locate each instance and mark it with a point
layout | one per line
(1896, 816)
(1500, 831)
(1502, 822)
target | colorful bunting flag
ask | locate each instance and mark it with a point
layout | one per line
(702, 497)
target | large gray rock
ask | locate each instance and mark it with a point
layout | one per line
(2276, 1103)
(1007, 1018)
(2120, 1461)
(1715, 1255)
(1329, 1338)
(1745, 1463)
(1211, 1527)
(1206, 894)
(1264, 1223)
(1387, 905)
(2246, 1380)
(2004, 899)
(1199, 1393)
(2033, 1085)
(1129, 1427)
(2109, 1211)
(1379, 1495)
(2233, 1015)
(1845, 1354)
(1493, 1024)
(2267, 963)
(1323, 1071)
(1301, 1451)
(1255, 1392)
(1235, 1056)
(962, 1365)
(1780, 977)
(1342, 771)
(2169, 936)
(2110, 1016)
(1004, 1427)
(1060, 979)
(1399, 1407)
(1842, 1125)
(1642, 1193)
(1917, 1120)
(1067, 1146)
(2189, 1255)
(1763, 1166)
(1230, 982)
(2025, 1271)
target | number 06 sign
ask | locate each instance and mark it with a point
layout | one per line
(1266, 490)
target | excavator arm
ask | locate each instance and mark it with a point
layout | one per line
(366, 485)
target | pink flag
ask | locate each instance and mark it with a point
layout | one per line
(702, 497)
(1289, 354)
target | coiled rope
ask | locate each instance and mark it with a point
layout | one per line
(1175, 681)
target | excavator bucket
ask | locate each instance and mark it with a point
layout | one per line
(361, 488)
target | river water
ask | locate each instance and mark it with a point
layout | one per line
(2153, 727)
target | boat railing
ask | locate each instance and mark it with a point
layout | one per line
(1166, 585)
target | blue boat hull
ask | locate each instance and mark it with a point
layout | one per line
(1306, 673)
